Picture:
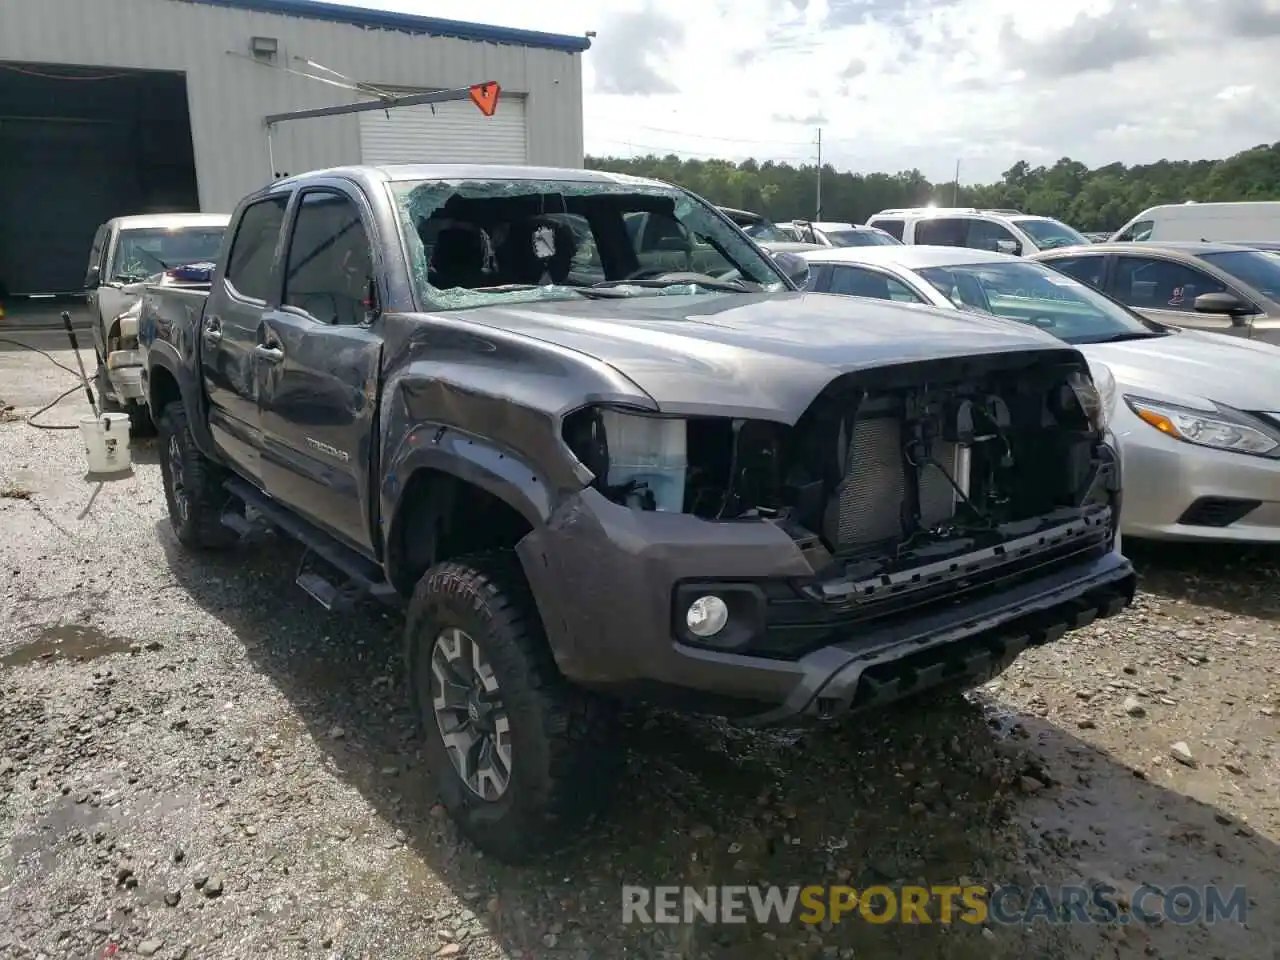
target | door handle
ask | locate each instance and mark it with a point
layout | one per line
(271, 354)
(212, 330)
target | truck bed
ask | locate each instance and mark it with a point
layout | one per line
(171, 313)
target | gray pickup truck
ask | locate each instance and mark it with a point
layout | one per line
(594, 479)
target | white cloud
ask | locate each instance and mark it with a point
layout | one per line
(897, 84)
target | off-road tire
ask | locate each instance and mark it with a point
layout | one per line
(566, 752)
(200, 526)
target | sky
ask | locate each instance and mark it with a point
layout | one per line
(901, 84)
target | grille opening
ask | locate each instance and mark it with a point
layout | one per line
(1217, 511)
(920, 464)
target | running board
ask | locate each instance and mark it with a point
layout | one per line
(356, 576)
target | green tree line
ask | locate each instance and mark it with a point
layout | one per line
(1103, 198)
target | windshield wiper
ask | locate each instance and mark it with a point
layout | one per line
(685, 280)
(1132, 335)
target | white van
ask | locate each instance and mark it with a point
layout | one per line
(1004, 231)
(1242, 221)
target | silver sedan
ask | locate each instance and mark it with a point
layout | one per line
(1197, 415)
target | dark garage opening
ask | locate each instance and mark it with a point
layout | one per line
(78, 146)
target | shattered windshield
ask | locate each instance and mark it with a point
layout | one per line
(477, 243)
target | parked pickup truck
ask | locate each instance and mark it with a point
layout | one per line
(127, 253)
(707, 490)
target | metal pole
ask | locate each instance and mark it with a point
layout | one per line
(955, 190)
(271, 153)
(818, 216)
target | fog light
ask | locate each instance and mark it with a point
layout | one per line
(706, 616)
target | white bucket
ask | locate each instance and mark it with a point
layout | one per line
(106, 442)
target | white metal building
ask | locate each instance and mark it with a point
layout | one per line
(115, 107)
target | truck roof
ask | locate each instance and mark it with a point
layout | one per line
(163, 221)
(394, 172)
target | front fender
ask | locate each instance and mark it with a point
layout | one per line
(472, 459)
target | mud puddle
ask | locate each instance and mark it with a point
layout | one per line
(66, 642)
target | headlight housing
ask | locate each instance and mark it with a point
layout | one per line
(128, 321)
(1105, 382)
(641, 458)
(1221, 429)
(1095, 393)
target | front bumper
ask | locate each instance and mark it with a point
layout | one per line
(606, 580)
(1178, 491)
(124, 372)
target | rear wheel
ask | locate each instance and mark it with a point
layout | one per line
(522, 759)
(192, 485)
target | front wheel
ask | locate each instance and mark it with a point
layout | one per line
(192, 485)
(140, 424)
(521, 758)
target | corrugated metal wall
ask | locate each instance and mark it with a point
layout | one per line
(229, 95)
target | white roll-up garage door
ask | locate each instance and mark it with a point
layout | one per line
(457, 132)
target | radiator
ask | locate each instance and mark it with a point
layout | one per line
(868, 505)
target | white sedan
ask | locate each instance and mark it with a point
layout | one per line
(1197, 415)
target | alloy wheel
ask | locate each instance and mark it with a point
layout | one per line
(177, 478)
(470, 714)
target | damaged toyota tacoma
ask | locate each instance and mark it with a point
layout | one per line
(603, 449)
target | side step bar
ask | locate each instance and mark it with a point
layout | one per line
(357, 577)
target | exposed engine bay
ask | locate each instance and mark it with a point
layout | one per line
(888, 470)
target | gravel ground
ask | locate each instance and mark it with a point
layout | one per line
(198, 761)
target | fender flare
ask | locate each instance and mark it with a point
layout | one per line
(502, 473)
(163, 355)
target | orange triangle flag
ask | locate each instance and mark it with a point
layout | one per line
(485, 96)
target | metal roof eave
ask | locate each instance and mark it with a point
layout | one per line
(407, 23)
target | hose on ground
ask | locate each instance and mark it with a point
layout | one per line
(30, 420)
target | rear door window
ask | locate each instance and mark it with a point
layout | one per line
(942, 232)
(987, 234)
(253, 250)
(1148, 283)
(1090, 270)
(858, 282)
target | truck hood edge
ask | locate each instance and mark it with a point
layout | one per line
(755, 356)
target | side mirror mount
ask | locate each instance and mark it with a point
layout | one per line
(92, 277)
(1227, 304)
(1009, 246)
(794, 266)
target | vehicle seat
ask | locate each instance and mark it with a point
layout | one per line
(457, 259)
(971, 293)
(518, 259)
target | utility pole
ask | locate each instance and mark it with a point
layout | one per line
(818, 215)
(955, 189)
